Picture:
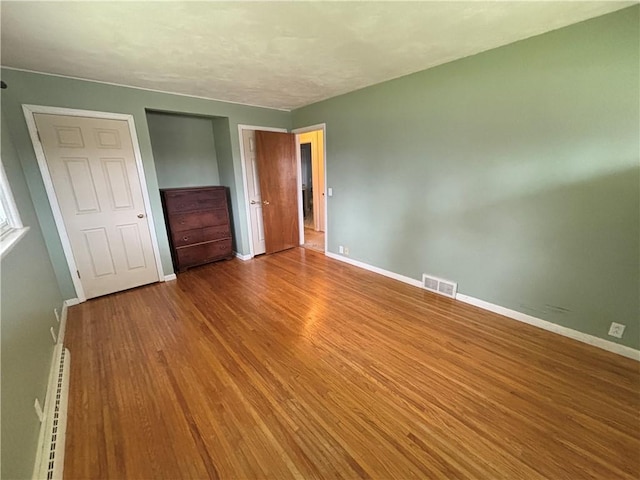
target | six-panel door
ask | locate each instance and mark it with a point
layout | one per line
(93, 169)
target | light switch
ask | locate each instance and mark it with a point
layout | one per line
(330, 191)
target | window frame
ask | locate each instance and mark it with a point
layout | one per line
(11, 227)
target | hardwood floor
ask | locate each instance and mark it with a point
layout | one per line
(298, 366)
(313, 240)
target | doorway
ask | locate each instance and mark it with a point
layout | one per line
(312, 191)
(255, 203)
(270, 178)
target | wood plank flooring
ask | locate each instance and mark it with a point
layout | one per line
(298, 366)
(313, 240)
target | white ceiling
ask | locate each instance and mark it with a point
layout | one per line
(282, 55)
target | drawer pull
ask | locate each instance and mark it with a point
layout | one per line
(185, 238)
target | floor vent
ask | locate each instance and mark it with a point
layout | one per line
(52, 460)
(439, 285)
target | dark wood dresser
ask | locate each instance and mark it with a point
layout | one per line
(198, 225)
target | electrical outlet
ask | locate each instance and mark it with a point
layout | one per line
(616, 329)
(39, 411)
(53, 335)
(340, 249)
(346, 250)
(55, 312)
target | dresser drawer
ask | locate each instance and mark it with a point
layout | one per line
(203, 252)
(198, 225)
(193, 220)
(189, 237)
(187, 201)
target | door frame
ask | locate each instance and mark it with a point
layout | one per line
(29, 112)
(296, 131)
(245, 184)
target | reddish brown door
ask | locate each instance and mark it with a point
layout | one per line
(277, 170)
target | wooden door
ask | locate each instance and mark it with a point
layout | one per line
(253, 190)
(93, 169)
(277, 170)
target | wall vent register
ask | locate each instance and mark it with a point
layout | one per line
(439, 285)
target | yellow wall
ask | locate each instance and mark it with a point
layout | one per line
(316, 139)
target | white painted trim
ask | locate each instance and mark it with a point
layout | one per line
(145, 196)
(11, 239)
(73, 112)
(553, 327)
(70, 302)
(147, 89)
(326, 194)
(242, 257)
(299, 194)
(29, 112)
(16, 230)
(170, 277)
(8, 202)
(53, 201)
(310, 128)
(512, 314)
(245, 184)
(63, 322)
(297, 131)
(371, 268)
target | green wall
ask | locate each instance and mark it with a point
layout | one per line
(514, 172)
(38, 89)
(28, 296)
(224, 152)
(184, 150)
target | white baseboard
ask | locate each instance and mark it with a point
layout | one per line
(63, 322)
(242, 257)
(513, 314)
(170, 277)
(553, 327)
(70, 302)
(371, 268)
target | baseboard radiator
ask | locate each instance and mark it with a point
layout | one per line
(50, 458)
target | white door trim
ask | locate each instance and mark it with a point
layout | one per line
(245, 184)
(29, 111)
(311, 128)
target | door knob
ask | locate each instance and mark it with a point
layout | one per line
(266, 202)
(141, 215)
